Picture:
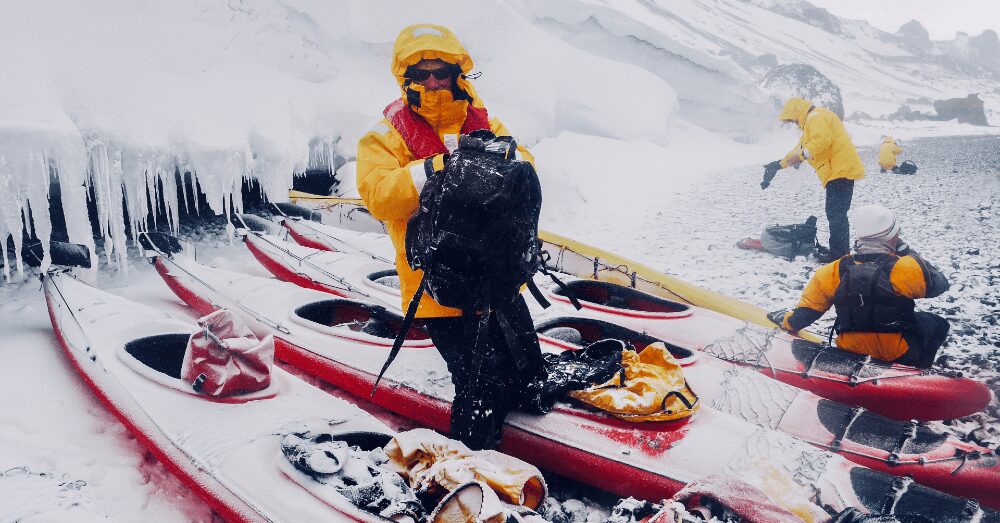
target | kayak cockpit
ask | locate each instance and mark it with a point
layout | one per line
(159, 358)
(616, 299)
(572, 333)
(163, 353)
(358, 321)
(387, 280)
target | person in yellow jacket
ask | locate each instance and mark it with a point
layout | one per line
(887, 153)
(827, 147)
(410, 144)
(873, 292)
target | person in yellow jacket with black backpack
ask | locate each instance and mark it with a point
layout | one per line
(888, 152)
(395, 159)
(873, 292)
(827, 147)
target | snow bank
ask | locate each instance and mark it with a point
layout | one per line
(635, 176)
(714, 90)
(117, 95)
(714, 53)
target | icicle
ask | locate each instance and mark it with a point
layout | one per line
(106, 178)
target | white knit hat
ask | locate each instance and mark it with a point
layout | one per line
(874, 222)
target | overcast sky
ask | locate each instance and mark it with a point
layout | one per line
(941, 18)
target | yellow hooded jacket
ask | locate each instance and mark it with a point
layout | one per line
(887, 153)
(824, 143)
(389, 175)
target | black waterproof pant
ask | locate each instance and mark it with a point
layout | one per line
(489, 378)
(924, 339)
(839, 193)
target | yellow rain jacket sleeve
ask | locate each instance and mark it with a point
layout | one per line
(887, 153)
(908, 279)
(825, 143)
(389, 176)
(652, 391)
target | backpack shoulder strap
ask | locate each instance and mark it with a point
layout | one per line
(845, 263)
(411, 313)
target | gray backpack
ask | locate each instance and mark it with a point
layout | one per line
(789, 241)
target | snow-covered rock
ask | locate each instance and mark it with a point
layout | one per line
(804, 81)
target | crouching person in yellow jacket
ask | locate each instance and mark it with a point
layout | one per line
(827, 147)
(873, 292)
(887, 153)
(395, 160)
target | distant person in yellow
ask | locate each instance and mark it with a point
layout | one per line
(395, 159)
(887, 154)
(827, 147)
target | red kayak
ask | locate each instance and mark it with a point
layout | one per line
(913, 449)
(345, 342)
(897, 391)
(900, 448)
(227, 450)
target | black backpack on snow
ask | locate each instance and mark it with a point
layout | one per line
(907, 167)
(790, 241)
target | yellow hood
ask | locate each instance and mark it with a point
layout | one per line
(889, 139)
(430, 42)
(795, 110)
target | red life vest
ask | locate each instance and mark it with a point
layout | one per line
(420, 138)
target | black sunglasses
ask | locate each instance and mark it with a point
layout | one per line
(419, 75)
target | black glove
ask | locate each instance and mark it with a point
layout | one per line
(770, 170)
(778, 317)
(486, 141)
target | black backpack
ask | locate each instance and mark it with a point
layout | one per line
(907, 167)
(475, 234)
(790, 241)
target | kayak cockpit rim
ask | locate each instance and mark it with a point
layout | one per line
(358, 321)
(612, 298)
(593, 330)
(366, 441)
(159, 358)
(381, 279)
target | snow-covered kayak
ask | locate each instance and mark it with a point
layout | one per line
(345, 343)
(228, 451)
(341, 272)
(897, 391)
(567, 256)
(929, 456)
(900, 448)
(731, 331)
